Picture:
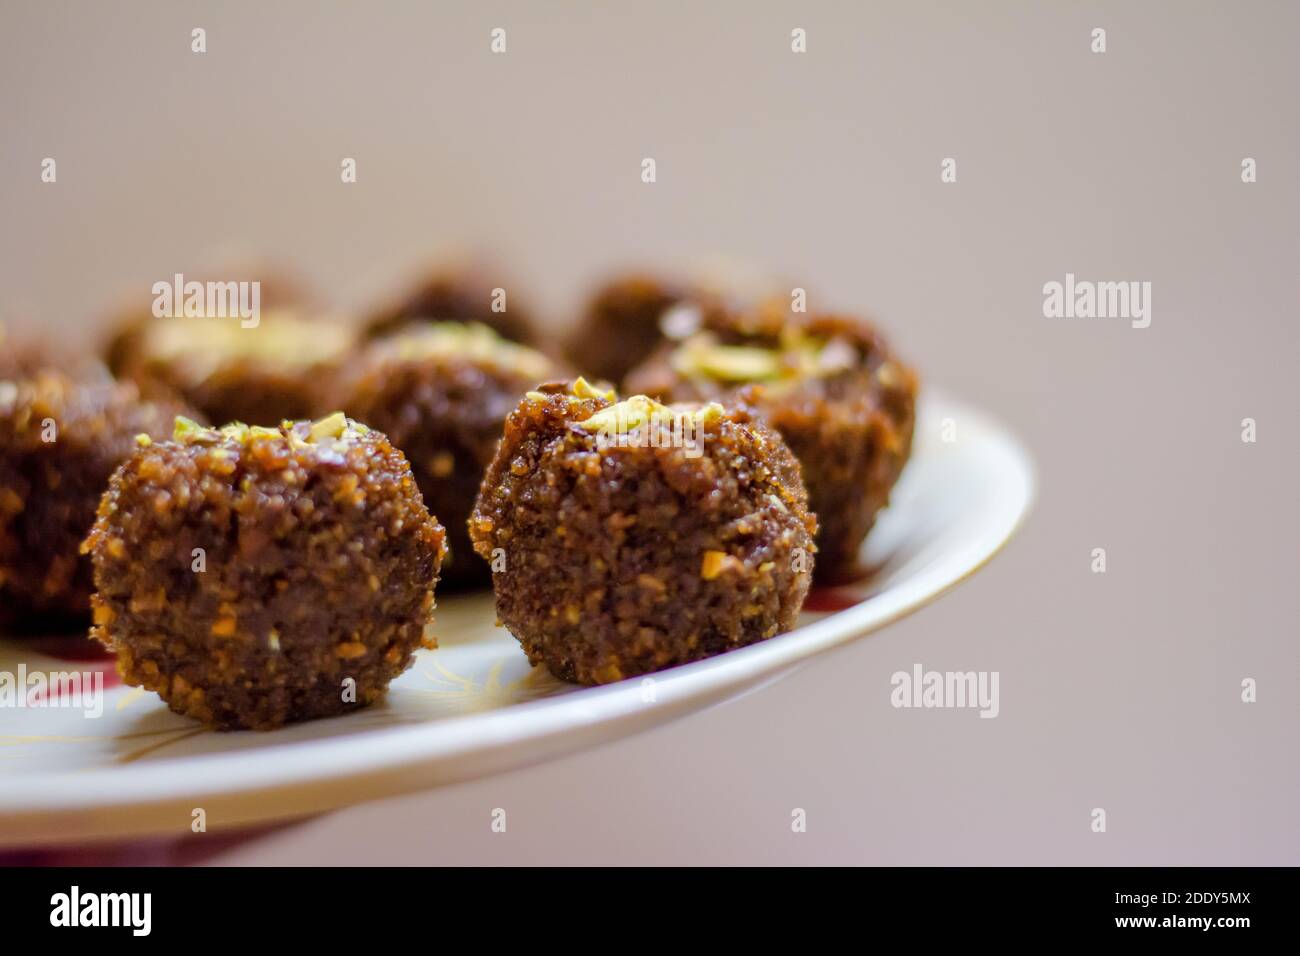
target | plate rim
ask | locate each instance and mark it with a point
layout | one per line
(405, 754)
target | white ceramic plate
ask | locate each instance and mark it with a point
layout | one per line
(474, 706)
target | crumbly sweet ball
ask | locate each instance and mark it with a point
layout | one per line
(441, 392)
(629, 537)
(279, 370)
(256, 576)
(632, 314)
(459, 289)
(834, 390)
(60, 442)
(622, 324)
(280, 293)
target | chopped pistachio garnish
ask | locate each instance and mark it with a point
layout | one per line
(709, 413)
(144, 441)
(191, 432)
(626, 415)
(331, 426)
(471, 340)
(631, 413)
(584, 389)
(798, 356)
(188, 430)
(701, 357)
(198, 347)
(580, 389)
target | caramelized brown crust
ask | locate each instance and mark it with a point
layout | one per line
(621, 325)
(617, 561)
(849, 423)
(129, 326)
(457, 291)
(631, 315)
(279, 370)
(441, 394)
(245, 576)
(60, 441)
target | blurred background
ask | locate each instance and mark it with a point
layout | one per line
(1119, 690)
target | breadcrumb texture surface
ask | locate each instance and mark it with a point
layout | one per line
(281, 369)
(60, 442)
(441, 392)
(462, 288)
(318, 566)
(834, 389)
(616, 561)
(621, 324)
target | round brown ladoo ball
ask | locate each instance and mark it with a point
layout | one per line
(60, 442)
(631, 315)
(834, 390)
(256, 576)
(458, 290)
(252, 576)
(622, 324)
(627, 537)
(280, 293)
(441, 392)
(279, 370)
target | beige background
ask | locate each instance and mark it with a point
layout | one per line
(1118, 690)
